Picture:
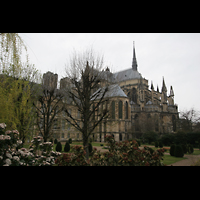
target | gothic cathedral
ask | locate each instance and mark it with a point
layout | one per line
(135, 107)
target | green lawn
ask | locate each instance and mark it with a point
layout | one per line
(168, 160)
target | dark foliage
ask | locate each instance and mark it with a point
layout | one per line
(59, 147)
(178, 151)
(190, 149)
(70, 140)
(55, 141)
(172, 149)
(160, 144)
(156, 144)
(184, 147)
(67, 147)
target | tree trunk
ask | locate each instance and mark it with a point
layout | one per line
(45, 138)
(85, 146)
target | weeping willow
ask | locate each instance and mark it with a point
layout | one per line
(15, 87)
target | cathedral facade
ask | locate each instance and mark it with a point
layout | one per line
(135, 107)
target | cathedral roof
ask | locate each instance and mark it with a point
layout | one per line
(113, 91)
(127, 75)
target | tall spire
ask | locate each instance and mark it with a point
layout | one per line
(134, 62)
(164, 89)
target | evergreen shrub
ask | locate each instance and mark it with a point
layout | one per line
(184, 147)
(70, 140)
(172, 149)
(190, 149)
(67, 147)
(59, 147)
(178, 151)
(55, 141)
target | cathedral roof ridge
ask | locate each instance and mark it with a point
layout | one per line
(122, 70)
(127, 74)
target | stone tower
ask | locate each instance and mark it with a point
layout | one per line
(50, 80)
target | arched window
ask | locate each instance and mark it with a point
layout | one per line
(126, 107)
(113, 110)
(133, 95)
(120, 109)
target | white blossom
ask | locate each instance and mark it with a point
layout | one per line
(16, 158)
(1, 137)
(8, 161)
(8, 155)
(19, 142)
(15, 131)
(7, 137)
(3, 125)
(8, 132)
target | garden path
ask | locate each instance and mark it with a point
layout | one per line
(191, 160)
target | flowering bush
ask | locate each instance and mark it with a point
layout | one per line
(76, 158)
(11, 153)
(126, 153)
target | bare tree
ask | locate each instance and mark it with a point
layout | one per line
(48, 103)
(188, 119)
(85, 75)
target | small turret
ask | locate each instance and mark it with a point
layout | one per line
(152, 88)
(171, 92)
(157, 89)
(164, 92)
(164, 89)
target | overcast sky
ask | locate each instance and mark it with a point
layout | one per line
(176, 56)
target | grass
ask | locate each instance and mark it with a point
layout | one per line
(168, 160)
